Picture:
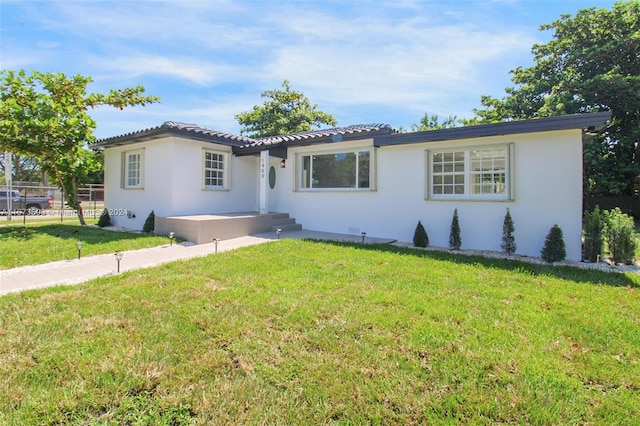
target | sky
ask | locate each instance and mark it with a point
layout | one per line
(362, 61)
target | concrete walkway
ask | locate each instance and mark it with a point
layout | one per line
(75, 271)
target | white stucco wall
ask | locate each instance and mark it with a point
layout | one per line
(173, 182)
(547, 170)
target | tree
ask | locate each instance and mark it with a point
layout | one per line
(420, 236)
(284, 112)
(44, 115)
(508, 239)
(433, 122)
(24, 168)
(454, 236)
(554, 248)
(593, 226)
(591, 64)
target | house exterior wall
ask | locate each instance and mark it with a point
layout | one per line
(173, 182)
(547, 189)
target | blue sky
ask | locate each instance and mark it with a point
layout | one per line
(362, 61)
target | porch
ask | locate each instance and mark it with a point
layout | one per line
(202, 229)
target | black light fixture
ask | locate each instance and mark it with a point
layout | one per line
(283, 163)
(278, 231)
(79, 246)
(171, 236)
(364, 234)
(118, 256)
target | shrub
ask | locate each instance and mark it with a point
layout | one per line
(454, 237)
(620, 236)
(149, 223)
(104, 219)
(554, 248)
(508, 239)
(593, 226)
(420, 237)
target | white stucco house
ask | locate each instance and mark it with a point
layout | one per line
(363, 178)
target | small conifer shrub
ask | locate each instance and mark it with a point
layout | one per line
(554, 248)
(621, 237)
(455, 242)
(420, 237)
(508, 239)
(593, 227)
(149, 223)
(104, 219)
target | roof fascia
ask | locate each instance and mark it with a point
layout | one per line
(591, 122)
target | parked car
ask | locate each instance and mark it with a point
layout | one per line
(32, 205)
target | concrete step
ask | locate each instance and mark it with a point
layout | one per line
(288, 227)
(283, 221)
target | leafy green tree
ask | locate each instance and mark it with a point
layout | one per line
(45, 115)
(455, 241)
(24, 168)
(591, 64)
(433, 122)
(284, 112)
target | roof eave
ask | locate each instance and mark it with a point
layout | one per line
(589, 122)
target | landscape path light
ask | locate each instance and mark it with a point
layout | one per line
(278, 231)
(364, 234)
(215, 241)
(79, 246)
(171, 236)
(118, 256)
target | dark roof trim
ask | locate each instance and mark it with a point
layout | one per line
(191, 131)
(589, 122)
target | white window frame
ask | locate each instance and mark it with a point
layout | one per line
(225, 170)
(346, 149)
(126, 170)
(462, 167)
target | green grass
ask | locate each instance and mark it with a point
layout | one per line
(38, 243)
(298, 332)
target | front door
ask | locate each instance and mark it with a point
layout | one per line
(272, 174)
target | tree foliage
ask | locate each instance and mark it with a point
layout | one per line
(554, 249)
(420, 236)
(508, 238)
(621, 236)
(45, 115)
(591, 64)
(434, 122)
(455, 241)
(23, 168)
(593, 227)
(284, 112)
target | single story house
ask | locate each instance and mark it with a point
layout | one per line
(363, 179)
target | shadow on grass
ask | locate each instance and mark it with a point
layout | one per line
(569, 273)
(87, 234)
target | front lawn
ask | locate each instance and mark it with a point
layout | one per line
(38, 243)
(299, 332)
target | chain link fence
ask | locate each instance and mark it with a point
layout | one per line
(51, 199)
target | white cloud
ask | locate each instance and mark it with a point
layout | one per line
(193, 70)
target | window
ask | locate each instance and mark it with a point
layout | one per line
(132, 169)
(215, 173)
(473, 174)
(339, 170)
